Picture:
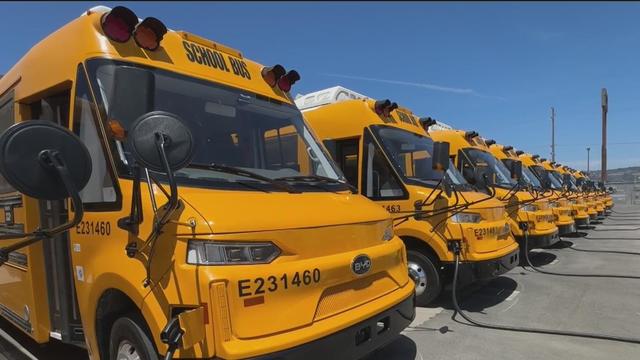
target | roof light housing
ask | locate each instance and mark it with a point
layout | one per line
(287, 80)
(387, 111)
(519, 152)
(380, 105)
(271, 74)
(427, 122)
(470, 134)
(119, 24)
(507, 148)
(149, 33)
(489, 142)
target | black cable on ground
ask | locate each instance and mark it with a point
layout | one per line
(458, 310)
(625, 213)
(605, 251)
(634, 229)
(526, 256)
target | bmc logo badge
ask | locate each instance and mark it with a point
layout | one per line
(361, 264)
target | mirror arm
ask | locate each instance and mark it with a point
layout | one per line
(170, 206)
(53, 158)
(131, 223)
(437, 187)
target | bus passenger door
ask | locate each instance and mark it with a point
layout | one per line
(63, 305)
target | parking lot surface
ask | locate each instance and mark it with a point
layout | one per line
(521, 297)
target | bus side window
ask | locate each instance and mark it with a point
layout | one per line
(53, 108)
(379, 179)
(6, 120)
(100, 193)
(466, 168)
(345, 153)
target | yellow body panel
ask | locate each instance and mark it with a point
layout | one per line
(319, 230)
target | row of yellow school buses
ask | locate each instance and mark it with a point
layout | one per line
(217, 219)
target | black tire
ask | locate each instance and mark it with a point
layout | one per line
(420, 263)
(130, 329)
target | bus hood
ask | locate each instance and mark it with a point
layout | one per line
(241, 211)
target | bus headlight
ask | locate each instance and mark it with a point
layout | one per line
(230, 253)
(388, 231)
(466, 218)
(529, 207)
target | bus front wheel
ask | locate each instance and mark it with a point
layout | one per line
(423, 272)
(128, 340)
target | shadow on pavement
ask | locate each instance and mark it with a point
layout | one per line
(401, 349)
(541, 258)
(562, 244)
(477, 298)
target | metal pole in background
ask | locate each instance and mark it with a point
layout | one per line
(588, 149)
(605, 108)
(553, 134)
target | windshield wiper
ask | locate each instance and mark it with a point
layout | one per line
(317, 178)
(241, 172)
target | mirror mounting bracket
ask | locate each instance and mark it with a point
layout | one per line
(132, 222)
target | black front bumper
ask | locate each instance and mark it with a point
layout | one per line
(357, 340)
(473, 271)
(566, 229)
(538, 241)
(593, 216)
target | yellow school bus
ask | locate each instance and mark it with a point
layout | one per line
(604, 194)
(597, 204)
(251, 248)
(558, 202)
(385, 152)
(525, 210)
(575, 198)
(597, 201)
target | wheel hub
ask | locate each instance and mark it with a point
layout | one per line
(419, 277)
(127, 351)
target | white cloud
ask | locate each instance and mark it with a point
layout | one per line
(454, 90)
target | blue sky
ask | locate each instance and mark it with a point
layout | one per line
(496, 68)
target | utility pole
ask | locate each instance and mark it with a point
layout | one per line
(553, 134)
(588, 149)
(605, 109)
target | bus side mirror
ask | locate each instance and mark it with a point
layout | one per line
(516, 170)
(440, 160)
(161, 142)
(44, 161)
(480, 178)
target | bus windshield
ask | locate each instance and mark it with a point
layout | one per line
(411, 155)
(487, 164)
(527, 176)
(231, 127)
(544, 174)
